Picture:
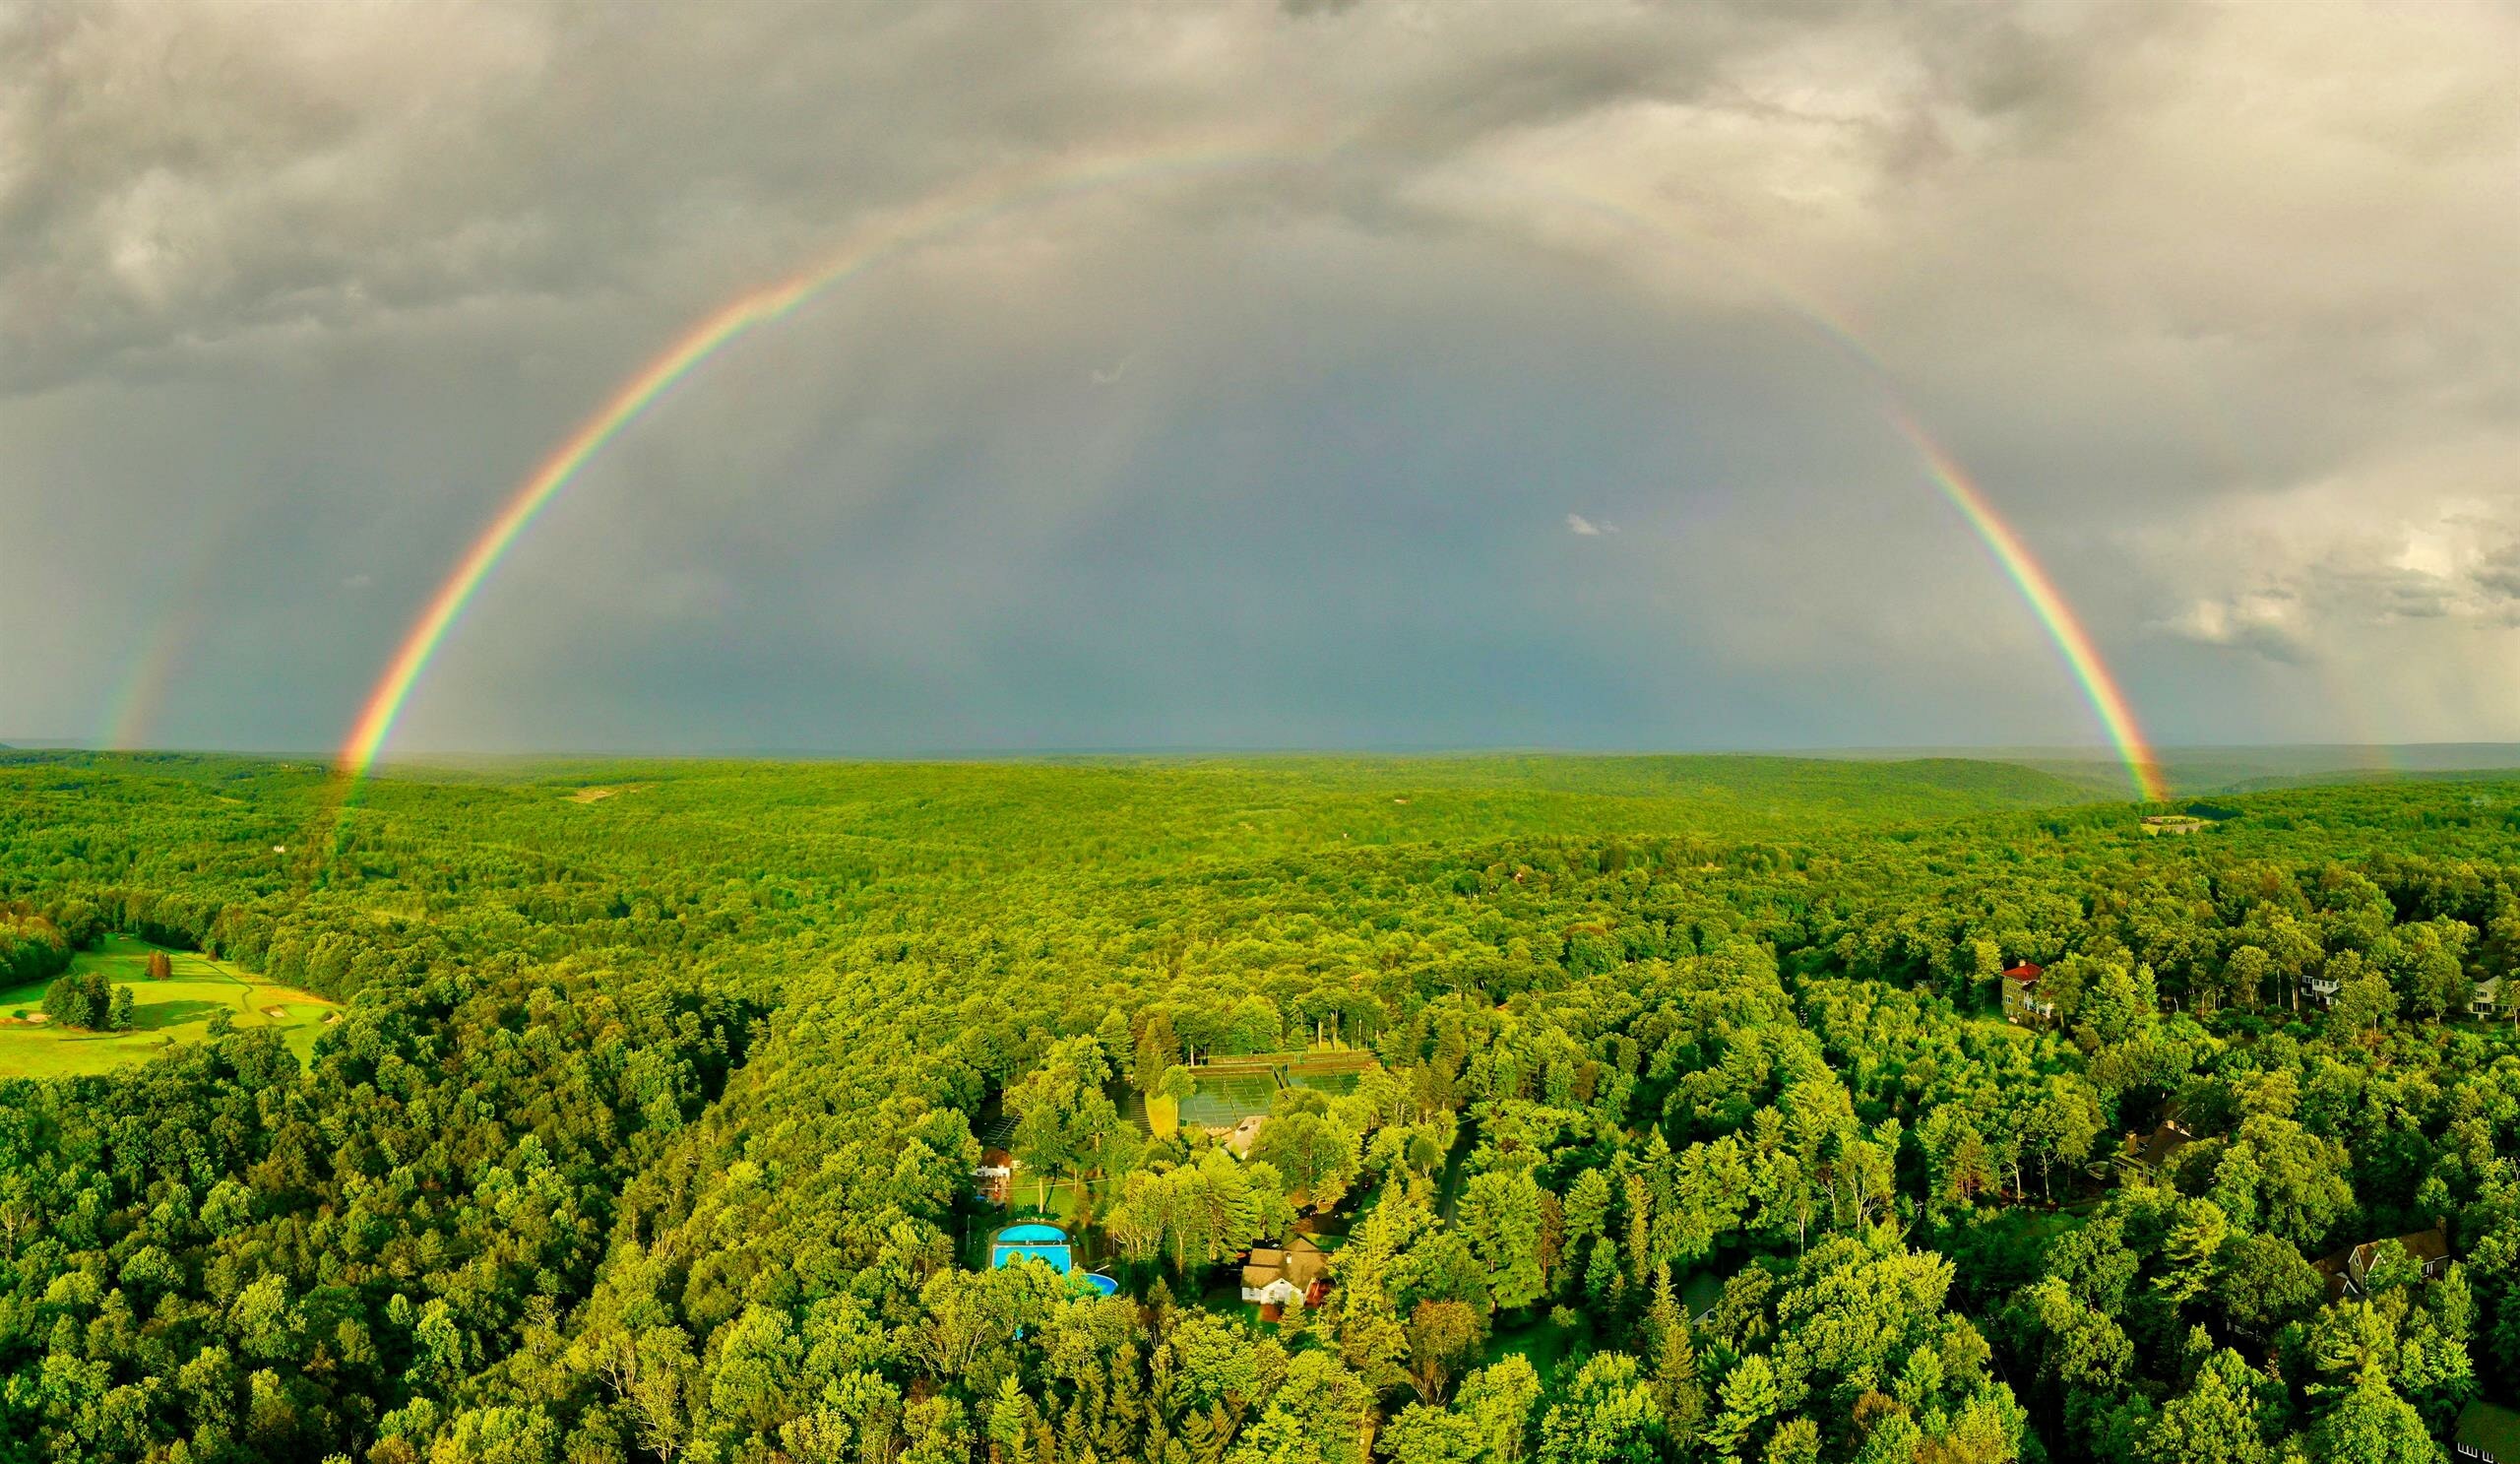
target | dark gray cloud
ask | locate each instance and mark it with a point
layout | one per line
(2216, 303)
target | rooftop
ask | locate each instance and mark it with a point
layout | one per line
(2491, 1427)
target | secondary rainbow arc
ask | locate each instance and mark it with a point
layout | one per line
(969, 206)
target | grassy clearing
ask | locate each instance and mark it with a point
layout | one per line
(1539, 1340)
(596, 794)
(165, 1013)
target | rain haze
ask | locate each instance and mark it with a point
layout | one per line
(1325, 375)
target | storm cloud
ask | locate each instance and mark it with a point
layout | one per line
(1309, 424)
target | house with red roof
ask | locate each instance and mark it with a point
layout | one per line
(2024, 1005)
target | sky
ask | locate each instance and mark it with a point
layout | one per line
(1357, 375)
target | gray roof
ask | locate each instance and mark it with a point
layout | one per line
(2492, 1428)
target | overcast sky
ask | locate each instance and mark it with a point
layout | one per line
(1461, 374)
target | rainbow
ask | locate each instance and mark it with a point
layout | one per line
(941, 213)
(971, 205)
(385, 703)
(2038, 588)
(134, 707)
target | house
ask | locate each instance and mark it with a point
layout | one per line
(2172, 823)
(2150, 1154)
(1308, 1259)
(1243, 1135)
(1264, 1277)
(1276, 1275)
(1700, 1293)
(2488, 1002)
(2348, 1271)
(2024, 1007)
(2321, 988)
(993, 1177)
(2487, 1432)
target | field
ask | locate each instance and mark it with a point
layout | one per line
(166, 1013)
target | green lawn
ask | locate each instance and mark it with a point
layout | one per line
(1543, 1342)
(165, 1013)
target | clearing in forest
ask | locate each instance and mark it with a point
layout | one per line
(596, 794)
(165, 1013)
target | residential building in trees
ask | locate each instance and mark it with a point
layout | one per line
(2024, 1004)
(2488, 1433)
(2349, 1272)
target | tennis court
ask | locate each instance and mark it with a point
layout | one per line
(1223, 1100)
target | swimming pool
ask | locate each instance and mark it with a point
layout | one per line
(1046, 1244)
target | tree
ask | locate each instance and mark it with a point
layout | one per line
(1587, 1207)
(1216, 1208)
(2279, 1176)
(1608, 1416)
(2215, 1422)
(2373, 1425)
(1317, 1157)
(1063, 1117)
(2118, 1005)
(82, 1000)
(2246, 971)
(1118, 1049)
(1317, 1417)
(2064, 1122)
(2364, 999)
(1671, 1359)
(159, 967)
(2261, 1282)
(1501, 1215)
(1747, 1398)
(1158, 1050)
(2192, 1251)
(1489, 1422)
(65, 1004)
(1441, 1335)
(1498, 1398)
(118, 1014)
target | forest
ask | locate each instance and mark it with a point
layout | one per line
(1711, 1111)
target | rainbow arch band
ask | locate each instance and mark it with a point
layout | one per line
(385, 703)
(2048, 604)
(973, 204)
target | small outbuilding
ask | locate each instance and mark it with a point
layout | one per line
(993, 1177)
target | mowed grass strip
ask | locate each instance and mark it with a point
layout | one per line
(165, 1013)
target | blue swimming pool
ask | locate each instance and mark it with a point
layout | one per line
(1046, 1244)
